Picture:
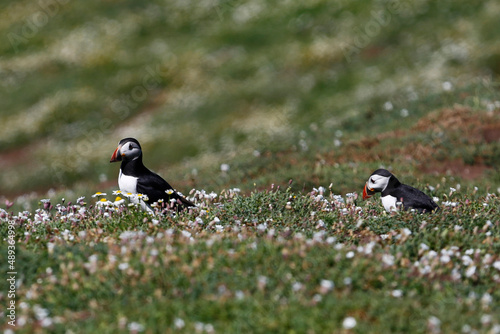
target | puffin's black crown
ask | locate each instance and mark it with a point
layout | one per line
(382, 172)
(125, 140)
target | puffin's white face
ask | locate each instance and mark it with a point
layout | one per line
(377, 183)
(130, 151)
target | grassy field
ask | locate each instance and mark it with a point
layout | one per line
(306, 85)
(271, 261)
(302, 101)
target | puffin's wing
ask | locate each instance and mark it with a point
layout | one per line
(156, 188)
(415, 199)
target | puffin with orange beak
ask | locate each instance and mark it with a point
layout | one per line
(392, 191)
(135, 178)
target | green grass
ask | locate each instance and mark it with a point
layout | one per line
(271, 261)
(210, 83)
(292, 96)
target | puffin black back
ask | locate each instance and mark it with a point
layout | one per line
(136, 178)
(393, 191)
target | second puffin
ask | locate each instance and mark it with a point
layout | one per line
(394, 191)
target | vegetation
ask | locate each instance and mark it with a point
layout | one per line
(270, 261)
(247, 83)
(280, 110)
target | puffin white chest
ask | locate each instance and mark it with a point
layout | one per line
(389, 202)
(127, 184)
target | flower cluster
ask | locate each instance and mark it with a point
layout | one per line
(284, 247)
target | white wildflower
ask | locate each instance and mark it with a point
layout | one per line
(349, 323)
(179, 323)
(388, 259)
(447, 86)
(123, 266)
(135, 327)
(397, 293)
(297, 286)
(326, 285)
(388, 106)
(470, 271)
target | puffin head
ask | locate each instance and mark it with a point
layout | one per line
(128, 149)
(377, 182)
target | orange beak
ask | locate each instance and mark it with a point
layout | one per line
(116, 155)
(367, 192)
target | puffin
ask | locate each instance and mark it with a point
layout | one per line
(135, 178)
(393, 191)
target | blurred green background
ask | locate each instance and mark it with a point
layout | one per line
(315, 91)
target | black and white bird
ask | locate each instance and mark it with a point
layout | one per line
(135, 178)
(395, 194)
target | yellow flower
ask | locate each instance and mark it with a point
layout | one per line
(97, 194)
(118, 201)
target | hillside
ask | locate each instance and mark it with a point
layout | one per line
(277, 90)
(270, 116)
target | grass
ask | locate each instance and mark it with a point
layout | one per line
(212, 82)
(291, 96)
(271, 261)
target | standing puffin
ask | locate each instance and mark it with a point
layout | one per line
(394, 191)
(135, 178)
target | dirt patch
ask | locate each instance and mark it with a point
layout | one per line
(476, 126)
(18, 156)
(455, 167)
(491, 133)
(450, 119)
(462, 127)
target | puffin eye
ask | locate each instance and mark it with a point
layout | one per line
(372, 180)
(130, 146)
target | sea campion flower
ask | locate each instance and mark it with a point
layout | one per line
(179, 323)
(388, 106)
(262, 282)
(397, 293)
(326, 286)
(388, 259)
(46, 203)
(470, 271)
(135, 327)
(434, 324)
(123, 266)
(447, 86)
(349, 323)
